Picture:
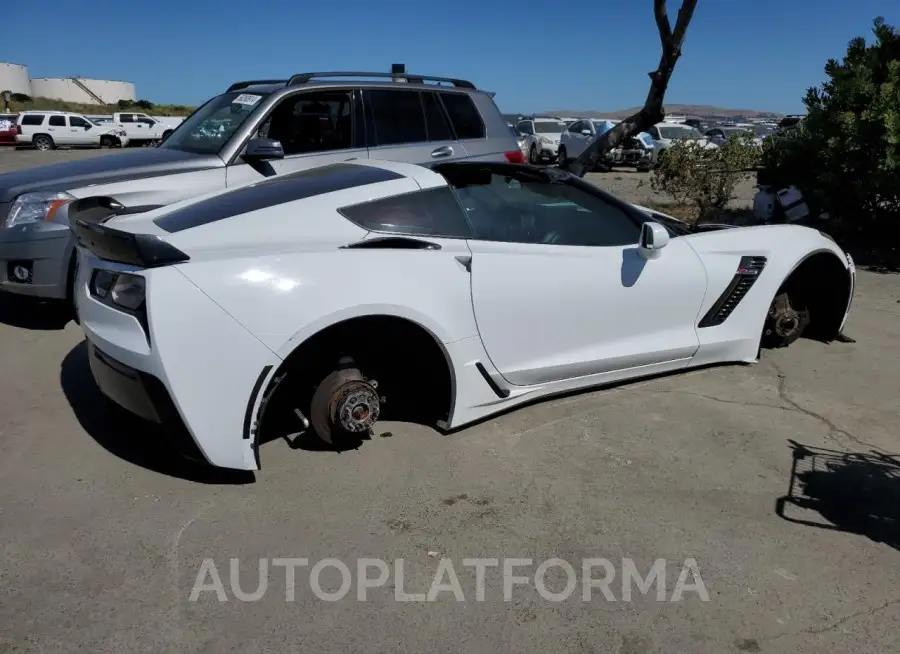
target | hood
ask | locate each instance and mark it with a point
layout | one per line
(146, 162)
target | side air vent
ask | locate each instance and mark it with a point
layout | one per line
(747, 273)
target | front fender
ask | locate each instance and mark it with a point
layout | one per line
(785, 247)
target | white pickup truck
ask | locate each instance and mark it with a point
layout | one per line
(143, 129)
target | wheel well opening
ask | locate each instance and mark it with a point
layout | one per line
(822, 284)
(410, 366)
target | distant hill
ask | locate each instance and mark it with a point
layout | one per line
(698, 110)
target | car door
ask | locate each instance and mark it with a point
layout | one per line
(82, 132)
(574, 140)
(559, 286)
(58, 129)
(314, 128)
(409, 125)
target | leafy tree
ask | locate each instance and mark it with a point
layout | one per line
(146, 105)
(845, 156)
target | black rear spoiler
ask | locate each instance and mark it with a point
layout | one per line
(144, 250)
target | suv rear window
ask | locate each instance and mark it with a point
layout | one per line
(463, 115)
(33, 119)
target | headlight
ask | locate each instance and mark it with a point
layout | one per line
(123, 289)
(128, 291)
(33, 207)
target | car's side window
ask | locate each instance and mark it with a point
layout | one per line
(464, 115)
(32, 119)
(126, 118)
(534, 211)
(397, 117)
(433, 212)
(57, 121)
(78, 121)
(525, 127)
(654, 133)
(435, 118)
(318, 121)
(576, 128)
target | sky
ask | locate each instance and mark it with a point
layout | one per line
(536, 56)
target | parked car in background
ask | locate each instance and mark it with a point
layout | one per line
(720, 135)
(665, 134)
(48, 130)
(8, 128)
(495, 284)
(578, 135)
(254, 130)
(547, 133)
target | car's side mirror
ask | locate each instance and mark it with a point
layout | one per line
(654, 237)
(586, 132)
(263, 150)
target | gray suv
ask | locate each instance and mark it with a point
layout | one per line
(254, 130)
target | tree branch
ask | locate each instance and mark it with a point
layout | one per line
(652, 112)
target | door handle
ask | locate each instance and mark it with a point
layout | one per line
(443, 151)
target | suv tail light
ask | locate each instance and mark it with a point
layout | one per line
(18, 129)
(515, 156)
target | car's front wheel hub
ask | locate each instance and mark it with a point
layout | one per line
(355, 406)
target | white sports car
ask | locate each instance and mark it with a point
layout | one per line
(339, 294)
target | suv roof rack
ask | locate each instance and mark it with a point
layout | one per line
(253, 82)
(303, 78)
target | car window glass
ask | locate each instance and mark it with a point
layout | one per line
(576, 128)
(33, 119)
(525, 210)
(525, 127)
(319, 121)
(126, 118)
(78, 121)
(433, 212)
(435, 118)
(398, 117)
(57, 121)
(464, 115)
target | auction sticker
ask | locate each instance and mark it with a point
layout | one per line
(247, 98)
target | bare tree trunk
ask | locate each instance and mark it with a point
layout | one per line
(653, 111)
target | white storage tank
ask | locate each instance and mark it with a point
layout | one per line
(14, 78)
(83, 90)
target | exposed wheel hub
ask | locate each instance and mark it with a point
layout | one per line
(355, 406)
(785, 319)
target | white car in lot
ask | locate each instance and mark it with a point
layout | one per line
(362, 289)
(47, 130)
(545, 134)
(665, 134)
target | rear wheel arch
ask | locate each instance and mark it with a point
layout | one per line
(403, 355)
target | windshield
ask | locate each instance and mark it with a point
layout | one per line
(206, 130)
(547, 127)
(671, 132)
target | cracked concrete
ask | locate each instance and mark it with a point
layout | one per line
(102, 535)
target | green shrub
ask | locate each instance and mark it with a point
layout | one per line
(845, 156)
(704, 177)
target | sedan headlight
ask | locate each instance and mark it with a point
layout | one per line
(34, 207)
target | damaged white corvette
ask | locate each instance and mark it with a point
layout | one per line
(325, 299)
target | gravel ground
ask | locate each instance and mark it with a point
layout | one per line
(104, 533)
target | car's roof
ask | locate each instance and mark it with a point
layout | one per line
(279, 87)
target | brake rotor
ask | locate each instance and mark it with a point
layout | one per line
(786, 320)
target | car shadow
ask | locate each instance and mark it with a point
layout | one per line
(126, 436)
(851, 492)
(31, 313)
